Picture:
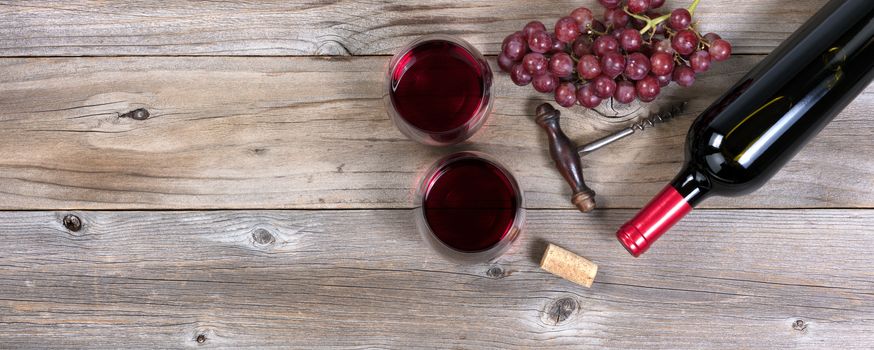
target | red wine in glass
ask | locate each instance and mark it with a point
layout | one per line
(470, 207)
(439, 90)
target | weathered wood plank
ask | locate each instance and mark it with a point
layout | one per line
(340, 27)
(313, 133)
(355, 279)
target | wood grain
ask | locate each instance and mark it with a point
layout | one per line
(356, 279)
(337, 27)
(313, 133)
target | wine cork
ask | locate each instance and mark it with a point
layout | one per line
(569, 266)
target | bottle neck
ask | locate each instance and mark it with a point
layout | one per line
(665, 209)
(693, 185)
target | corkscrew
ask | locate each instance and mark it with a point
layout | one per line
(567, 155)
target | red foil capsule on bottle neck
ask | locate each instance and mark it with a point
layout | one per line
(657, 217)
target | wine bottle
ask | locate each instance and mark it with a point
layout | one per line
(749, 133)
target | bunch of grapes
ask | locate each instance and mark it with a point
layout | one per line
(634, 52)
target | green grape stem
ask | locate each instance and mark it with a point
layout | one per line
(692, 7)
(652, 23)
(702, 44)
(595, 32)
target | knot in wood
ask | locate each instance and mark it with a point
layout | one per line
(333, 48)
(200, 339)
(137, 114)
(263, 237)
(561, 309)
(799, 325)
(618, 112)
(496, 272)
(72, 222)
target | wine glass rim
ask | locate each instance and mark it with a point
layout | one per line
(483, 110)
(512, 231)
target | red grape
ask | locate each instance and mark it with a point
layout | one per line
(720, 50)
(684, 76)
(684, 42)
(616, 17)
(617, 34)
(700, 61)
(582, 46)
(557, 45)
(603, 86)
(583, 60)
(598, 26)
(637, 66)
(561, 65)
(589, 67)
(545, 83)
(647, 88)
(535, 63)
(612, 64)
(664, 80)
(567, 29)
(663, 46)
(586, 97)
(532, 27)
(610, 3)
(710, 37)
(604, 44)
(647, 99)
(680, 19)
(505, 63)
(584, 18)
(540, 41)
(661, 63)
(520, 75)
(631, 40)
(625, 92)
(566, 94)
(638, 6)
(515, 46)
(517, 34)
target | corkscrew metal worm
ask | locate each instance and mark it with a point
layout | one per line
(567, 155)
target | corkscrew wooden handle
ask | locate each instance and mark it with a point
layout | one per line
(564, 153)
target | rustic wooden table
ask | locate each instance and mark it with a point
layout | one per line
(265, 201)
